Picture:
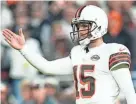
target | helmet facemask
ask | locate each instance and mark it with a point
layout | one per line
(76, 35)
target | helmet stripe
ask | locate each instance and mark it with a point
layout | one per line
(79, 11)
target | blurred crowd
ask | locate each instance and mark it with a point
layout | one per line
(46, 26)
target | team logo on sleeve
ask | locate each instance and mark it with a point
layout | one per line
(95, 58)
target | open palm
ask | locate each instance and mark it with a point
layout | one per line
(14, 40)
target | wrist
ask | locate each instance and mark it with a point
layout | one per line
(24, 48)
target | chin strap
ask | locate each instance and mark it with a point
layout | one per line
(84, 43)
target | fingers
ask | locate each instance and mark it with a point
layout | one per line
(8, 41)
(21, 32)
(10, 32)
(7, 35)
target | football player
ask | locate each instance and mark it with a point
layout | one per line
(100, 70)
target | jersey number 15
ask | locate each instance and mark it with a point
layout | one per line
(83, 80)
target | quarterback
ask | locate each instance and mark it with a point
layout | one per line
(100, 70)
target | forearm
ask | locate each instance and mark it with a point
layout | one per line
(123, 79)
(60, 66)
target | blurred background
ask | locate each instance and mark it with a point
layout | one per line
(46, 26)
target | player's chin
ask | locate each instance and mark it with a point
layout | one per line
(92, 41)
(95, 40)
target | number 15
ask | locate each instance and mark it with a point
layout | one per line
(89, 80)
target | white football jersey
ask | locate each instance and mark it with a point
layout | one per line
(95, 71)
(94, 82)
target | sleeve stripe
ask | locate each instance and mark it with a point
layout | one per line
(120, 66)
(119, 56)
(119, 53)
(119, 61)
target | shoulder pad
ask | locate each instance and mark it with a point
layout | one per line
(117, 48)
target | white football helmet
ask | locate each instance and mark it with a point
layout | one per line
(91, 15)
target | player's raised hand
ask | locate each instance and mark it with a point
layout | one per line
(14, 40)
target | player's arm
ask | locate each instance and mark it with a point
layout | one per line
(119, 65)
(60, 66)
